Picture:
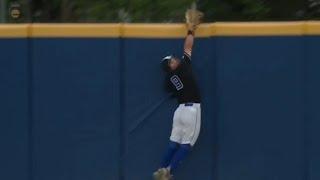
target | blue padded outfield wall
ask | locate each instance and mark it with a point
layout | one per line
(94, 108)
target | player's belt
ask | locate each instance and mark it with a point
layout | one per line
(188, 104)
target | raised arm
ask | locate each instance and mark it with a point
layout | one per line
(188, 43)
(193, 18)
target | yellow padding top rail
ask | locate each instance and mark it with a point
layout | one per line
(14, 31)
(159, 30)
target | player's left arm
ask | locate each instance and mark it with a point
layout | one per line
(193, 19)
(188, 43)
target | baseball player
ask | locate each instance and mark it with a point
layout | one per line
(187, 117)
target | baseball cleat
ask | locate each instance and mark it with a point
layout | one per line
(166, 174)
(162, 174)
(158, 174)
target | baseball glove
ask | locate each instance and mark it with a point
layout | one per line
(193, 18)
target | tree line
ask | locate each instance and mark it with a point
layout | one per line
(164, 10)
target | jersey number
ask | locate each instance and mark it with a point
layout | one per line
(176, 82)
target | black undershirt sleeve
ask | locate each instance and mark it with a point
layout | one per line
(186, 58)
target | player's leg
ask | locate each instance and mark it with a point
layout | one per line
(179, 156)
(196, 130)
(163, 172)
(177, 131)
(191, 121)
(172, 148)
(175, 138)
(170, 159)
(190, 118)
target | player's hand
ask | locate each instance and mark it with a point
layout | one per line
(193, 19)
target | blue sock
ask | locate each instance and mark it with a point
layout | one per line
(182, 152)
(173, 147)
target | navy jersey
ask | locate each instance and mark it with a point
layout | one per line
(182, 83)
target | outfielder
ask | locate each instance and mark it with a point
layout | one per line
(187, 117)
